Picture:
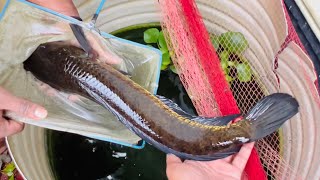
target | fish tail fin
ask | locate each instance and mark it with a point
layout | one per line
(270, 113)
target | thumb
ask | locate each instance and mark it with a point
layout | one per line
(172, 159)
(21, 106)
(25, 108)
(10, 127)
(105, 54)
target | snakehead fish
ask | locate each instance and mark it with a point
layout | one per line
(157, 120)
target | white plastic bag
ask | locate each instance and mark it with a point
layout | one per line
(23, 28)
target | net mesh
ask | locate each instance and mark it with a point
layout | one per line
(207, 106)
(269, 148)
(215, 68)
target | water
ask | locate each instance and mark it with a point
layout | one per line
(77, 157)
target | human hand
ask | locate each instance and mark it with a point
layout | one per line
(2, 146)
(229, 168)
(67, 7)
(9, 102)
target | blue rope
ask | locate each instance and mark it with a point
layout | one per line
(96, 14)
(100, 6)
(4, 9)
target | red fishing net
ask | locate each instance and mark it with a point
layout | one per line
(215, 58)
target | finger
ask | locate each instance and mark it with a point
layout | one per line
(24, 107)
(224, 168)
(74, 98)
(104, 53)
(228, 159)
(48, 90)
(1, 142)
(244, 176)
(173, 159)
(9, 127)
(240, 160)
(2, 149)
(20, 106)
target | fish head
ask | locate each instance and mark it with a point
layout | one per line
(49, 62)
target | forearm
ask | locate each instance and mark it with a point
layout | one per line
(65, 7)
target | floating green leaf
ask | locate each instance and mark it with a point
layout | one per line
(235, 42)
(231, 63)
(224, 65)
(164, 51)
(166, 58)
(224, 56)
(215, 41)
(163, 67)
(244, 72)
(229, 78)
(151, 35)
(243, 59)
(226, 71)
(9, 168)
(9, 174)
(162, 42)
(173, 68)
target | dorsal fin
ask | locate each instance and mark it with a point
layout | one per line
(213, 121)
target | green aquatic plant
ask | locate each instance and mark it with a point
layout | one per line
(155, 38)
(9, 170)
(244, 72)
(230, 47)
(151, 35)
(234, 42)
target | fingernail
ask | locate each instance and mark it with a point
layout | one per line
(40, 113)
